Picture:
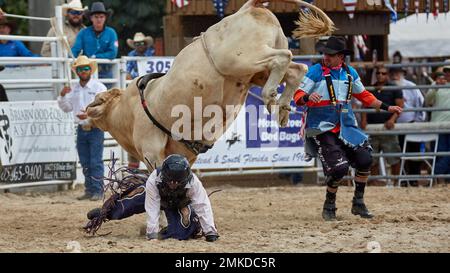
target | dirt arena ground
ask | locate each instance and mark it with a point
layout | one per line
(272, 219)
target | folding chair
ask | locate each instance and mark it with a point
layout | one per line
(382, 168)
(418, 138)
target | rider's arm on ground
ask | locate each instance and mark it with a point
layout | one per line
(152, 205)
(202, 206)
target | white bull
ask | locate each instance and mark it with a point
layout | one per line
(219, 67)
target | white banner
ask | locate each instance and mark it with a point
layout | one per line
(36, 142)
(154, 65)
(254, 140)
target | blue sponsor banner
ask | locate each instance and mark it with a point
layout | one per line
(267, 126)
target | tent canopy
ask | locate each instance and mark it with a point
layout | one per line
(414, 37)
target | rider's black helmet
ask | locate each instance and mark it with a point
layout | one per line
(177, 169)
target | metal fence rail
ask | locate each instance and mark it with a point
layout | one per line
(407, 88)
(415, 109)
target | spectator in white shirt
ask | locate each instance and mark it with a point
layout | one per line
(412, 98)
(89, 140)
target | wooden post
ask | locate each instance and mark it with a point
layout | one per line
(173, 34)
(307, 46)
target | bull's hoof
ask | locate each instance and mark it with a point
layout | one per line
(283, 116)
(270, 102)
(271, 106)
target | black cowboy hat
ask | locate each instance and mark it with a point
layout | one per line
(98, 7)
(333, 45)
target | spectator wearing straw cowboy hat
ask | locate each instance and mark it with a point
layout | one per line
(73, 11)
(142, 46)
(9, 48)
(98, 40)
(89, 140)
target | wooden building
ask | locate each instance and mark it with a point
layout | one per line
(182, 24)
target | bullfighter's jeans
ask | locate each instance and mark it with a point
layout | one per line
(90, 152)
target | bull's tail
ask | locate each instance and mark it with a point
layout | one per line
(309, 24)
(312, 24)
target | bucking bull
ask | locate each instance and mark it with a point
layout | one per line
(244, 49)
(218, 68)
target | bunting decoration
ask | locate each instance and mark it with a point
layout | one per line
(359, 47)
(180, 3)
(388, 5)
(220, 6)
(350, 6)
(436, 9)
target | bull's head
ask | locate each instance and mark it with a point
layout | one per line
(102, 102)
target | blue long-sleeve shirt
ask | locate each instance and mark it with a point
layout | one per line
(15, 48)
(103, 46)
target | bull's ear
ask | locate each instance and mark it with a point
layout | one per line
(114, 92)
(105, 97)
(96, 108)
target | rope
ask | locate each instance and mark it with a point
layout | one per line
(208, 54)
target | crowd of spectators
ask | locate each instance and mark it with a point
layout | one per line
(96, 41)
(410, 97)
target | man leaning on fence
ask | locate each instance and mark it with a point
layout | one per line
(89, 140)
(385, 143)
(73, 13)
(98, 41)
(440, 98)
(331, 129)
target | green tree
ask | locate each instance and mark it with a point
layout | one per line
(134, 16)
(17, 7)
